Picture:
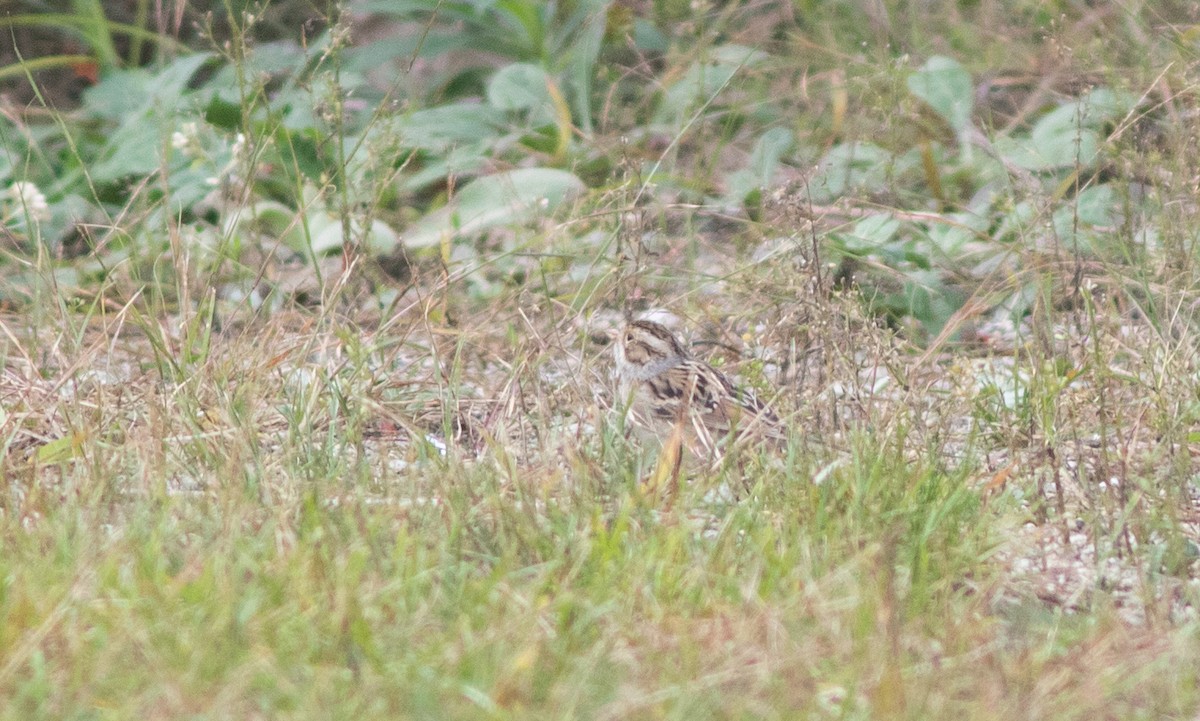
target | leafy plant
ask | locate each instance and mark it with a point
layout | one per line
(1058, 150)
(564, 39)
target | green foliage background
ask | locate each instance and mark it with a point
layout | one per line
(302, 409)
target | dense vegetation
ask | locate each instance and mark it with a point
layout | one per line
(306, 407)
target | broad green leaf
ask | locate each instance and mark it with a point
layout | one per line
(1060, 139)
(379, 239)
(135, 148)
(444, 127)
(61, 449)
(403, 48)
(871, 235)
(850, 167)
(772, 146)
(1083, 223)
(266, 61)
(269, 218)
(945, 86)
(952, 236)
(1050, 150)
(458, 161)
(648, 37)
(1094, 205)
(495, 200)
(929, 300)
(129, 93)
(1067, 135)
(118, 93)
(583, 52)
(522, 86)
(170, 84)
(764, 161)
(873, 232)
(132, 151)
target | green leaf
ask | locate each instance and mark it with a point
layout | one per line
(927, 299)
(114, 96)
(648, 38)
(945, 86)
(850, 167)
(1095, 204)
(772, 146)
(585, 47)
(1069, 134)
(169, 86)
(131, 152)
(459, 161)
(156, 101)
(522, 86)
(495, 200)
(764, 161)
(403, 48)
(441, 128)
(268, 60)
(125, 92)
(61, 449)
(268, 217)
(1082, 224)
(952, 236)
(378, 239)
(873, 232)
